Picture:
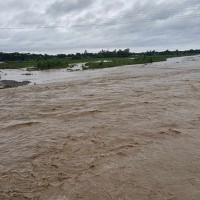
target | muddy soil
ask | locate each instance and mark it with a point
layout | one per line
(122, 133)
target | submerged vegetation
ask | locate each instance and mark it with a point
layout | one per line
(125, 61)
(91, 60)
(27, 74)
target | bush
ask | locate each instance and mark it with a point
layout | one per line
(51, 64)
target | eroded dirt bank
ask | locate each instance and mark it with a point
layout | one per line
(128, 133)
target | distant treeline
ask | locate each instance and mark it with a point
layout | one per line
(102, 54)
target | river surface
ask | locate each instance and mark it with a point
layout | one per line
(129, 133)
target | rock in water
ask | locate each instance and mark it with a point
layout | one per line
(10, 83)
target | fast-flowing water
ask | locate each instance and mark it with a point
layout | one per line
(120, 133)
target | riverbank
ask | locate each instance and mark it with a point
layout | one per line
(88, 63)
(118, 133)
(76, 73)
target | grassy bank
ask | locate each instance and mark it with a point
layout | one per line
(51, 64)
(64, 63)
(128, 61)
(125, 61)
(91, 63)
(48, 64)
(17, 65)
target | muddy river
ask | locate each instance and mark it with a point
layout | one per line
(129, 132)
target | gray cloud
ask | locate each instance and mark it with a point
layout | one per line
(54, 26)
(63, 7)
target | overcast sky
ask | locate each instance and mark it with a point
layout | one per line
(69, 26)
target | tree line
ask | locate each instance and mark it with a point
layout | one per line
(16, 56)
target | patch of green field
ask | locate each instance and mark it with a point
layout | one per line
(17, 65)
(125, 61)
(48, 64)
(91, 63)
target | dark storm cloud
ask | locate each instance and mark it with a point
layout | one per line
(56, 26)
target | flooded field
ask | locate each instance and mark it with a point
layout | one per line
(38, 77)
(128, 132)
(45, 76)
(57, 75)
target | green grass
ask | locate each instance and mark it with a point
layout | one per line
(91, 63)
(125, 61)
(51, 64)
(17, 65)
(47, 64)
(128, 61)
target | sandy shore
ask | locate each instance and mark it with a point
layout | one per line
(125, 133)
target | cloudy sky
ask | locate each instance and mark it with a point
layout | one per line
(69, 26)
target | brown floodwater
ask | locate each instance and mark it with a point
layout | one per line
(129, 132)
